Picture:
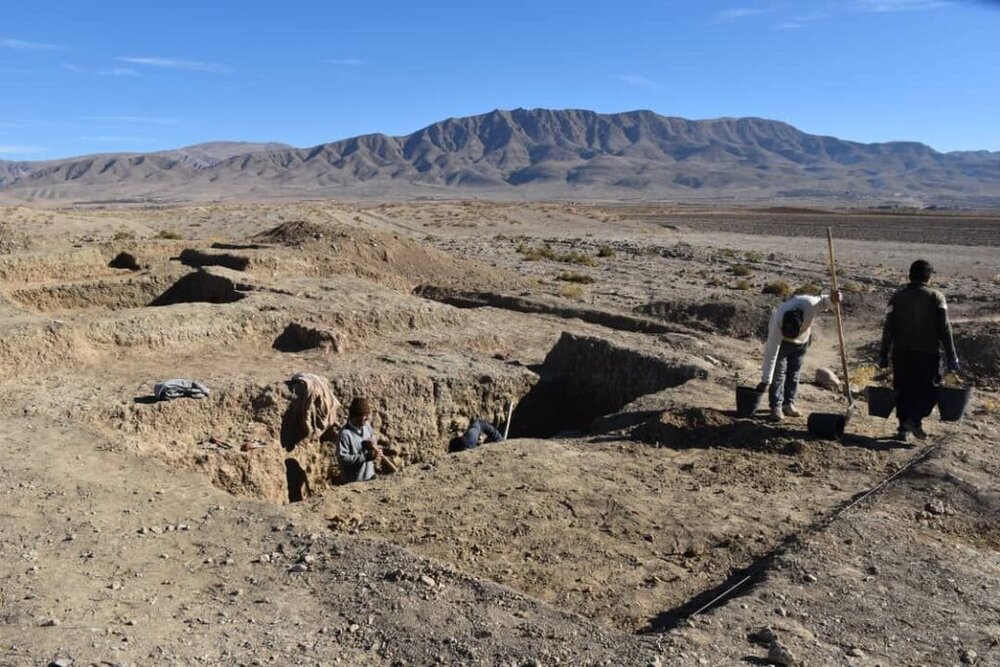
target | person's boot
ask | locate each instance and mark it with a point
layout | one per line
(790, 410)
(916, 429)
(902, 435)
(776, 414)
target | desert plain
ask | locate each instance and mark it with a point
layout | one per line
(631, 519)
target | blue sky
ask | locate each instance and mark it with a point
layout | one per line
(88, 77)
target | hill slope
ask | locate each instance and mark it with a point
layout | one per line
(533, 153)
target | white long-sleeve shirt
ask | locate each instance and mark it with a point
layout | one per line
(809, 305)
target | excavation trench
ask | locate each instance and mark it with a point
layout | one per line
(537, 306)
(584, 378)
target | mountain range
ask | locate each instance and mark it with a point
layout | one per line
(532, 153)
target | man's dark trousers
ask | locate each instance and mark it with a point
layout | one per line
(916, 377)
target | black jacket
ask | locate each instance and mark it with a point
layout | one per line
(917, 321)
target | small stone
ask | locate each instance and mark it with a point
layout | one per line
(265, 558)
(230, 561)
(873, 569)
(781, 611)
(299, 567)
(427, 581)
(856, 652)
(779, 654)
(353, 627)
(115, 585)
(308, 559)
(764, 636)
(50, 623)
(968, 657)
(811, 578)
(935, 507)
(61, 662)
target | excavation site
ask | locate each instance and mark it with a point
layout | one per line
(171, 490)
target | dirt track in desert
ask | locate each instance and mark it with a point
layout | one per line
(632, 519)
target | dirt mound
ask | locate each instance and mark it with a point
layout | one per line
(294, 232)
(738, 317)
(384, 258)
(707, 427)
(978, 347)
(110, 294)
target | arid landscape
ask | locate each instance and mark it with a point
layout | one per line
(631, 519)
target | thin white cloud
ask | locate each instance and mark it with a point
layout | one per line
(111, 71)
(637, 80)
(346, 62)
(24, 45)
(884, 6)
(802, 21)
(114, 138)
(737, 13)
(20, 149)
(175, 63)
(150, 120)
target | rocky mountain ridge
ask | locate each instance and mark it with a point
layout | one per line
(535, 153)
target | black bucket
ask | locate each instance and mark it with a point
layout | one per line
(952, 402)
(826, 426)
(748, 401)
(881, 401)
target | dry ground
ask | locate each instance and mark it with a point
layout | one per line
(130, 538)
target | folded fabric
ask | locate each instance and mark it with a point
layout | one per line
(179, 388)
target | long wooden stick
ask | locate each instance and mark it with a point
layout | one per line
(840, 320)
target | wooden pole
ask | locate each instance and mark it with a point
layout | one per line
(840, 320)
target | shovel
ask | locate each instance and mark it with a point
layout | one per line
(831, 426)
(840, 326)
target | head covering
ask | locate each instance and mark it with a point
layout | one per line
(359, 407)
(920, 271)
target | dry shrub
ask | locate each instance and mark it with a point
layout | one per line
(123, 235)
(741, 270)
(743, 284)
(778, 287)
(809, 288)
(605, 251)
(169, 235)
(535, 253)
(853, 288)
(574, 292)
(574, 277)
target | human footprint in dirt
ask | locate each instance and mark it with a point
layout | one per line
(474, 435)
(916, 328)
(357, 445)
(789, 334)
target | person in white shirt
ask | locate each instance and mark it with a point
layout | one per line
(788, 336)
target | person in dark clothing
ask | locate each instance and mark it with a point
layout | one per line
(916, 328)
(470, 439)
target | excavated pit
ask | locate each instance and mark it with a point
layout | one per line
(584, 378)
(301, 337)
(125, 260)
(415, 414)
(199, 258)
(541, 306)
(201, 287)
